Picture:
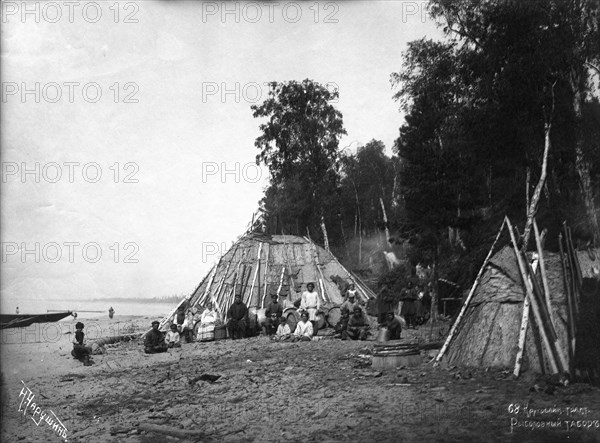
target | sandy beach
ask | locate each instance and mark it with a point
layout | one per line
(324, 390)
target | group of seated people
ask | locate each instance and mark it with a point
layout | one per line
(353, 324)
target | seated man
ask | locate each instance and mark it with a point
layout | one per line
(283, 333)
(154, 342)
(237, 318)
(273, 313)
(394, 326)
(80, 351)
(358, 327)
(172, 338)
(271, 324)
(304, 329)
(341, 326)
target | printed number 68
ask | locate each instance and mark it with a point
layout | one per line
(513, 408)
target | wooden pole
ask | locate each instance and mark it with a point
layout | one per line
(523, 332)
(280, 280)
(536, 311)
(265, 286)
(468, 299)
(538, 242)
(255, 272)
(570, 310)
(325, 296)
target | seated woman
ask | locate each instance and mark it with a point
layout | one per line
(283, 333)
(304, 329)
(206, 330)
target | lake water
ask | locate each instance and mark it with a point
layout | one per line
(36, 306)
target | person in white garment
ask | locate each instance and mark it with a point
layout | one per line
(304, 329)
(310, 304)
(283, 333)
(206, 329)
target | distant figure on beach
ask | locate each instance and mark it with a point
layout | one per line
(237, 319)
(111, 312)
(172, 338)
(17, 310)
(304, 329)
(154, 342)
(80, 351)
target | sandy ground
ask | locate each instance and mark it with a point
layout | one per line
(324, 390)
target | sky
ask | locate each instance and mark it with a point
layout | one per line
(127, 138)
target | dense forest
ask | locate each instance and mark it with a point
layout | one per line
(501, 118)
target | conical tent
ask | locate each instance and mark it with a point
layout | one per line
(489, 333)
(257, 266)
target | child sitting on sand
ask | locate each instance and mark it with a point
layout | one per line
(80, 351)
(172, 338)
(283, 333)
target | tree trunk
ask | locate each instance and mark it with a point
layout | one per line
(581, 165)
(535, 198)
(324, 229)
(385, 221)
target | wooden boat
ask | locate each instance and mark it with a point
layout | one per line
(23, 320)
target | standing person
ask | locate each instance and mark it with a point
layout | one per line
(304, 328)
(237, 318)
(409, 310)
(351, 292)
(181, 311)
(80, 351)
(310, 304)
(154, 341)
(273, 313)
(111, 312)
(357, 328)
(172, 338)
(17, 310)
(385, 303)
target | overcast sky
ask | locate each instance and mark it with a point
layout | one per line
(155, 97)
